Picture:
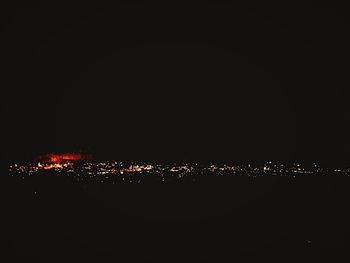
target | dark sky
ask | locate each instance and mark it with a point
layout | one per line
(207, 83)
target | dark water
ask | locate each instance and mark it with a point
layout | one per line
(210, 220)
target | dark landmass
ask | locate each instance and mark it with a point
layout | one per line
(212, 219)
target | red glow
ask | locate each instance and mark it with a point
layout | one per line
(59, 158)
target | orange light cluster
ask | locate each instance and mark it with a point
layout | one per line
(53, 166)
(137, 168)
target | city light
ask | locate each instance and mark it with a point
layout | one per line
(113, 171)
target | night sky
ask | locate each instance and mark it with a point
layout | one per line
(203, 83)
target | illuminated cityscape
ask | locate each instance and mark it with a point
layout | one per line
(114, 171)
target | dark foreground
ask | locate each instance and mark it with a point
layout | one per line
(55, 219)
